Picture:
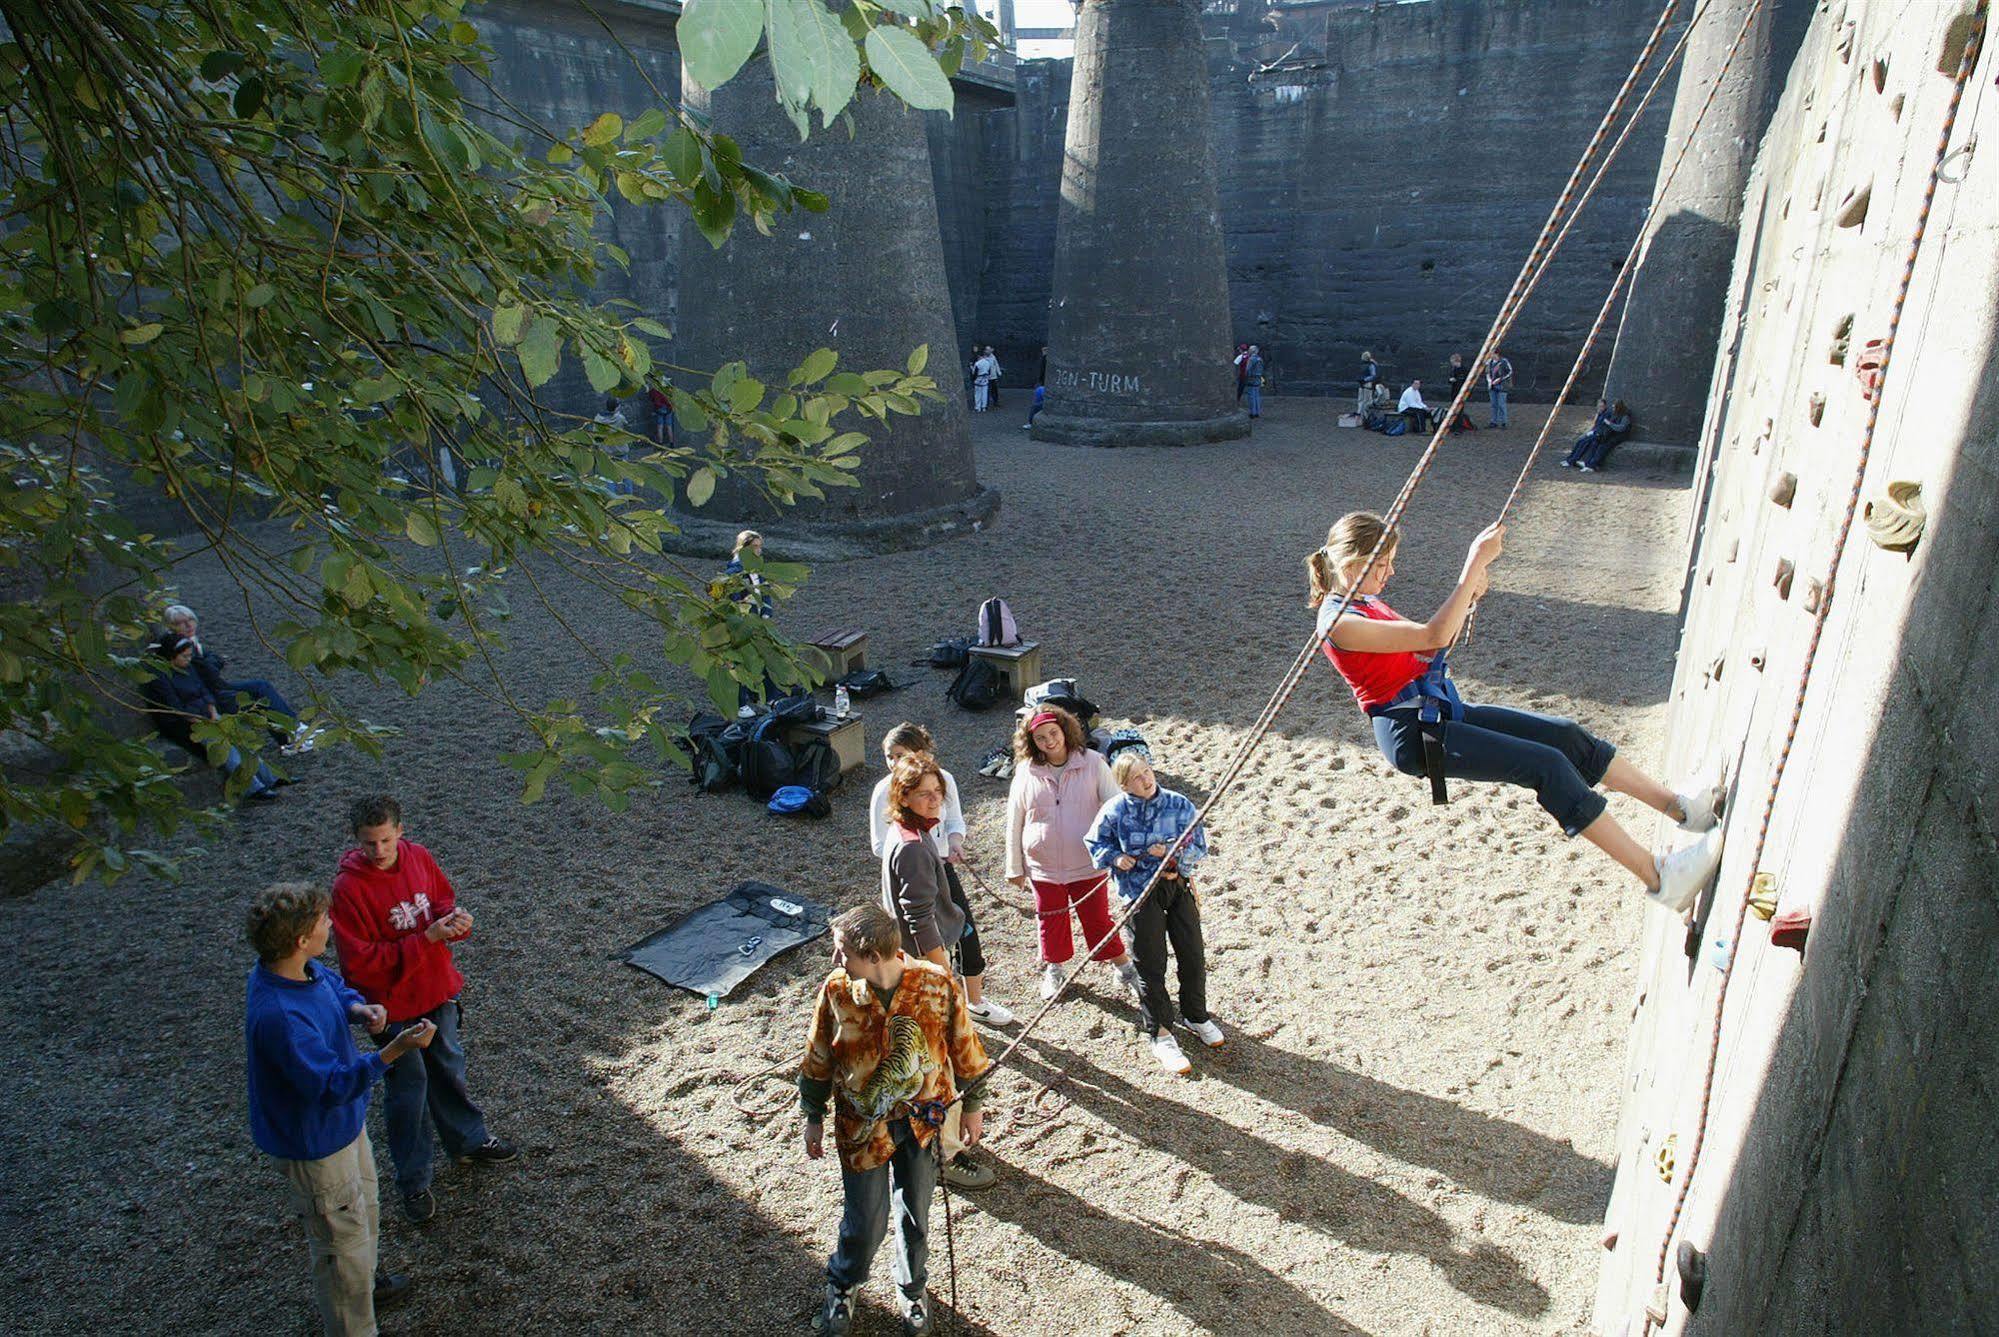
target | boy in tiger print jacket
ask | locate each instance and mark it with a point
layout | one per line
(891, 1046)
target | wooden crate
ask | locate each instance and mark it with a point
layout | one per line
(846, 737)
(841, 651)
(1019, 664)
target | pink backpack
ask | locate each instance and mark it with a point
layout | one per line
(996, 624)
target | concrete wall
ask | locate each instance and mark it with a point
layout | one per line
(1380, 184)
(1851, 1178)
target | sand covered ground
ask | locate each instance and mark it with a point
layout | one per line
(1409, 1132)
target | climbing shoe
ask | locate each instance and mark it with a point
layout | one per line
(1167, 1050)
(1683, 873)
(916, 1317)
(961, 1171)
(836, 1312)
(1206, 1032)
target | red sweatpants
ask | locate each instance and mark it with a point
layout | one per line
(1090, 899)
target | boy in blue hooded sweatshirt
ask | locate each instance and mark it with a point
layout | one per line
(1129, 837)
(309, 1089)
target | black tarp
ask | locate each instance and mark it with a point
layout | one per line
(712, 949)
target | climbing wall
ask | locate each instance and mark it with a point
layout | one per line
(1849, 1177)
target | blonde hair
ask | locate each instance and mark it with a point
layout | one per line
(1128, 761)
(745, 539)
(1348, 543)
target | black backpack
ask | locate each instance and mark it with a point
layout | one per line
(977, 686)
(864, 683)
(816, 766)
(768, 763)
(800, 709)
(714, 759)
(947, 654)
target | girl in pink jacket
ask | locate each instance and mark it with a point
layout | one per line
(1058, 786)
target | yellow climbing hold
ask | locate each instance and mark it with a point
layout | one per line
(1763, 895)
(1663, 1158)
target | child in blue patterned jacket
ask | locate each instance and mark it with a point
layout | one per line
(1129, 837)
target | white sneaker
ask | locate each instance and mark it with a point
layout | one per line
(1167, 1050)
(1128, 976)
(1700, 807)
(991, 1013)
(1684, 872)
(1051, 981)
(746, 712)
(1206, 1032)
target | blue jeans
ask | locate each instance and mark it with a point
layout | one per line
(261, 782)
(426, 1087)
(1558, 759)
(1255, 393)
(258, 689)
(1498, 406)
(908, 1181)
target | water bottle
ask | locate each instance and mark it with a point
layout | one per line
(842, 703)
(713, 1002)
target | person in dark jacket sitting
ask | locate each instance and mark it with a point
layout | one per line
(209, 665)
(1612, 425)
(176, 697)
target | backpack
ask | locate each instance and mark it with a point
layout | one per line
(713, 756)
(946, 654)
(768, 764)
(797, 800)
(864, 683)
(815, 765)
(977, 686)
(799, 709)
(1059, 692)
(1395, 427)
(1126, 739)
(996, 624)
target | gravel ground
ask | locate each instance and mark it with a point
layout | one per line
(1410, 1130)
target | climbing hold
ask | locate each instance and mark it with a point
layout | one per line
(1655, 1308)
(1868, 368)
(1895, 107)
(1693, 1274)
(1814, 592)
(1880, 74)
(1852, 211)
(1784, 489)
(1842, 338)
(1785, 570)
(1816, 409)
(1957, 36)
(1790, 928)
(1763, 896)
(1663, 1157)
(1714, 669)
(1734, 548)
(1758, 658)
(1610, 1238)
(1896, 521)
(1845, 42)
(1719, 954)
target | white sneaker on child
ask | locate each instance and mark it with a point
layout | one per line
(991, 1013)
(1206, 1032)
(1051, 981)
(1167, 1050)
(1683, 873)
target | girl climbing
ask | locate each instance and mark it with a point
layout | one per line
(1386, 660)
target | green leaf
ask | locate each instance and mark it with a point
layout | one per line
(559, 153)
(817, 366)
(140, 334)
(701, 486)
(714, 214)
(681, 155)
(716, 37)
(260, 295)
(508, 323)
(603, 373)
(746, 394)
(919, 359)
(219, 65)
(647, 325)
(811, 57)
(916, 9)
(650, 122)
(810, 200)
(603, 130)
(541, 351)
(901, 61)
(421, 531)
(249, 99)
(376, 390)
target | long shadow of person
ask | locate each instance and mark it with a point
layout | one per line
(1296, 1185)
(1210, 1284)
(1491, 1156)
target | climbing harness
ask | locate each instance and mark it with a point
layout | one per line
(1437, 702)
(1966, 60)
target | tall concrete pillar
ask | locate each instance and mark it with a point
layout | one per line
(1139, 338)
(1666, 343)
(866, 279)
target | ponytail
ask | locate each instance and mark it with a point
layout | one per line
(1319, 576)
(1349, 542)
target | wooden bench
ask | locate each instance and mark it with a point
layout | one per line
(1019, 665)
(846, 737)
(842, 651)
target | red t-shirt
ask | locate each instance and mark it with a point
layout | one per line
(1375, 678)
(379, 916)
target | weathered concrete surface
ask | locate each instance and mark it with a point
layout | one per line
(865, 279)
(1138, 350)
(1852, 1167)
(1673, 314)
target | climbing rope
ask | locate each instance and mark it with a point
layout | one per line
(1966, 61)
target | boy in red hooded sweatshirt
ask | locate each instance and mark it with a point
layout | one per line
(395, 917)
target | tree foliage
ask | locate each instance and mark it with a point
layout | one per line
(273, 263)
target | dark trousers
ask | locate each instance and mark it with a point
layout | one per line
(906, 1182)
(1418, 420)
(1169, 916)
(1594, 448)
(1558, 759)
(426, 1088)
(971, 957)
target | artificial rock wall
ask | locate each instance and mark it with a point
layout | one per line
(1850, 1181)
